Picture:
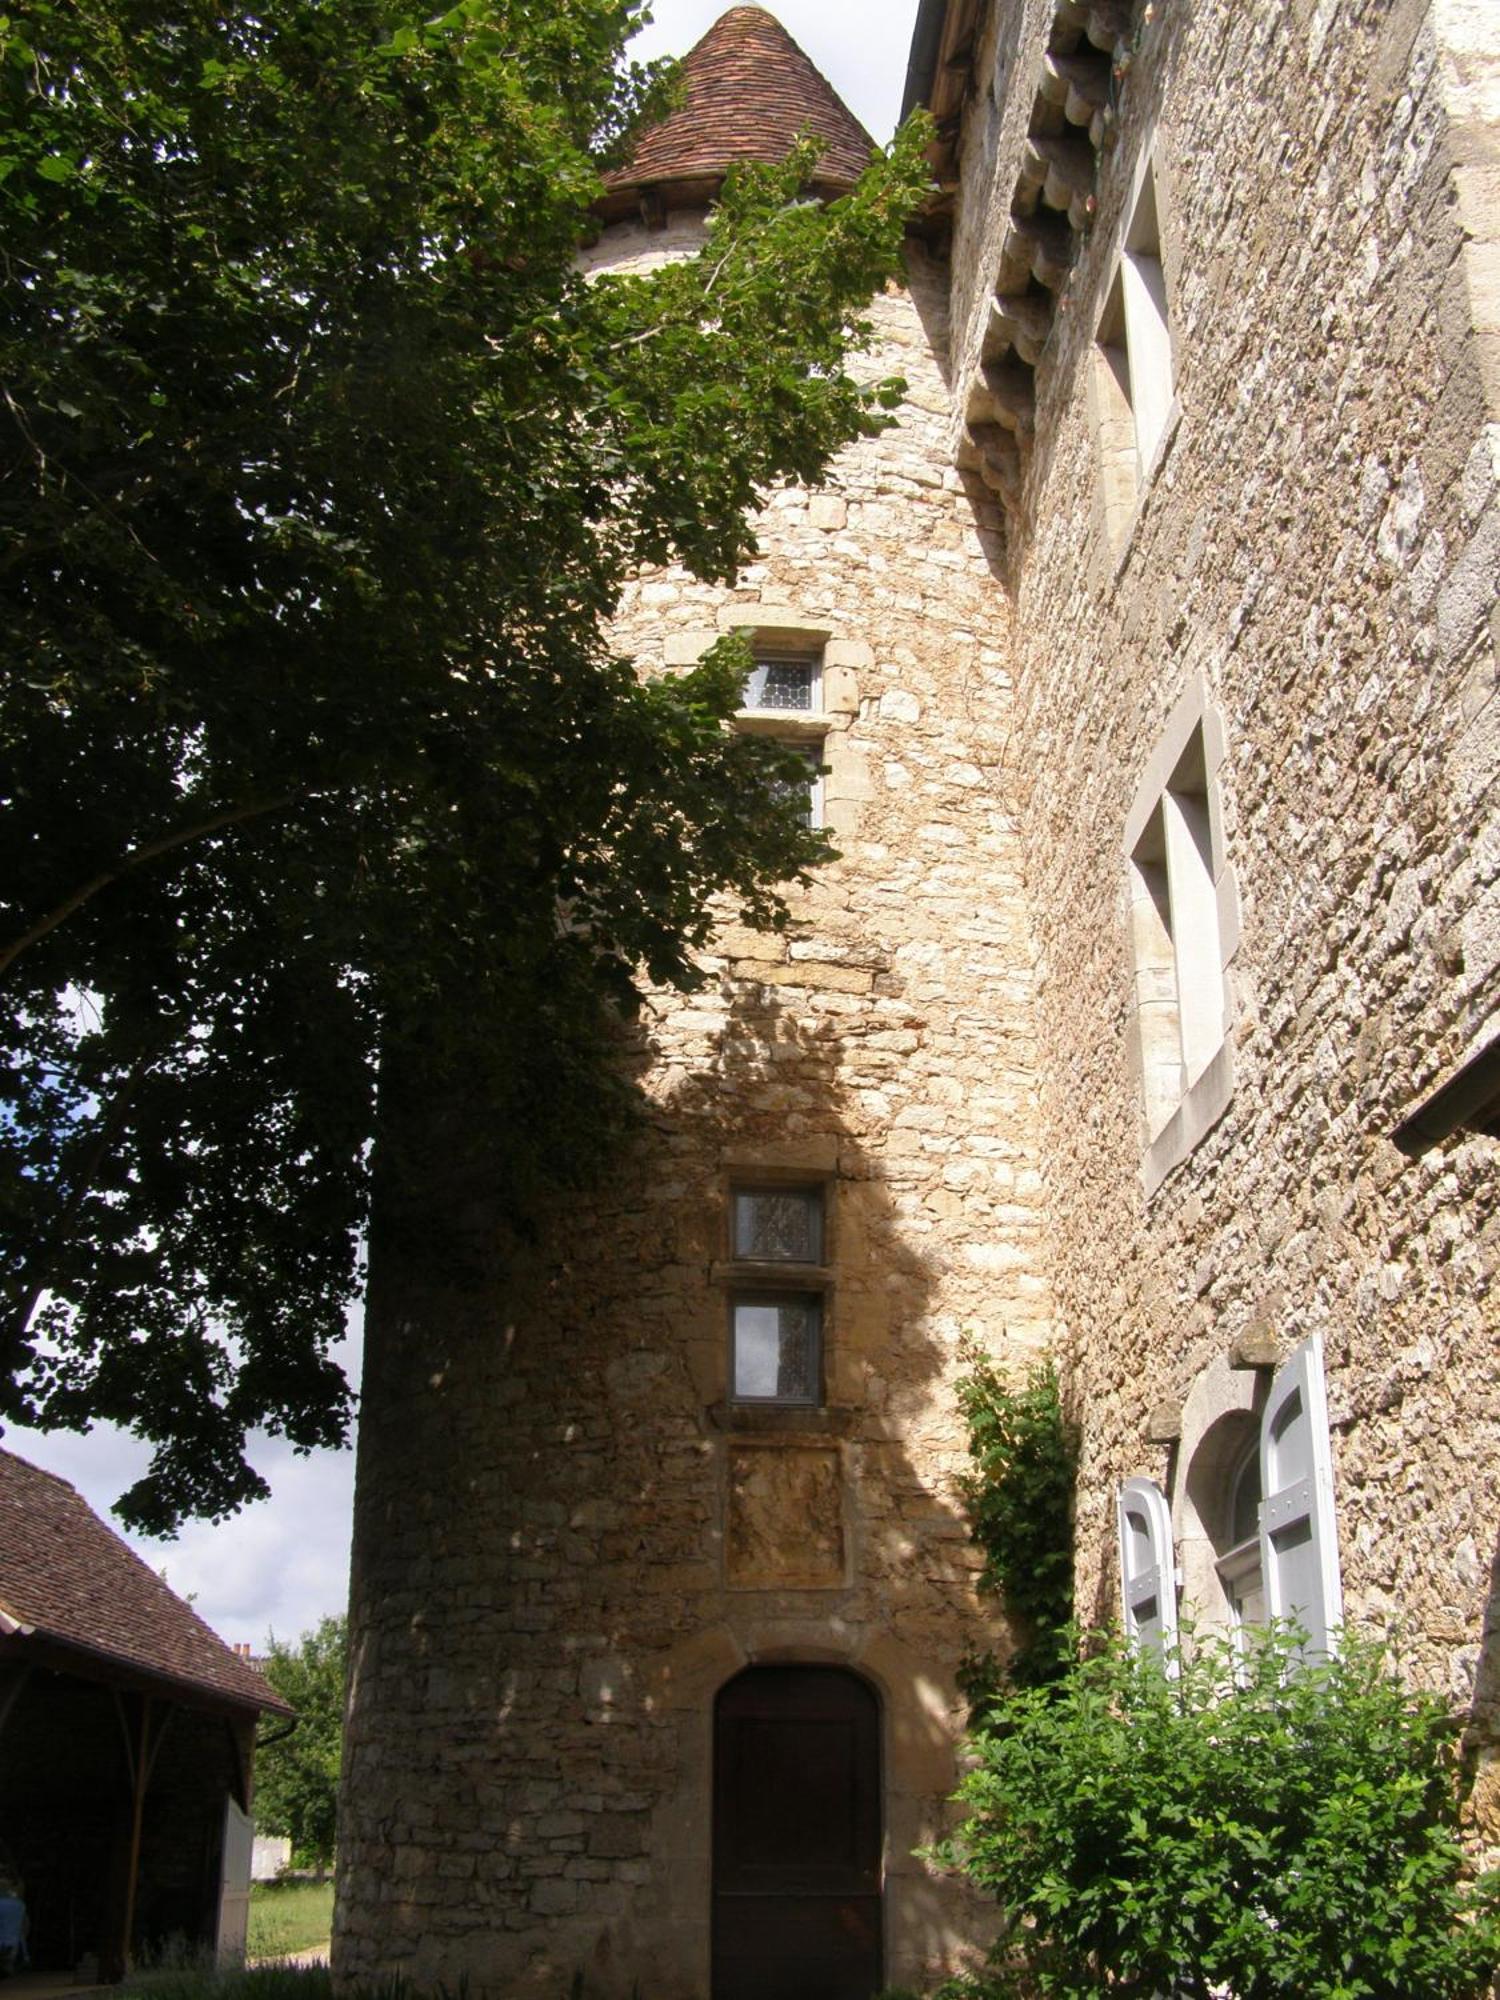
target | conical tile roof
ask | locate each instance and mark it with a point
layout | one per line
(749, 93)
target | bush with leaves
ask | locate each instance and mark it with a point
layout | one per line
(1019, 1498)
(1253, 1825)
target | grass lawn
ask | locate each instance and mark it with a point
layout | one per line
(287, 1917)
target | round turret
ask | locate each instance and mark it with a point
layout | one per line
(749, 93)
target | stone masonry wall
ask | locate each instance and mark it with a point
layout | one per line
(1318, 549)
(566, 1540)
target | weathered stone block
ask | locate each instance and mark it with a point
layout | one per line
(785, 1518)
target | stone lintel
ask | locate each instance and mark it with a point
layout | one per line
(830, 1421)
(748, 1276)
(783, 619)
(810, 1156)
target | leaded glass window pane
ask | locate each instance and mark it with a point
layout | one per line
(779, 1225)
(777, 1342)
(790, 684)
(806, 790)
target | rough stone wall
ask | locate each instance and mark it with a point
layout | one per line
(566, 1540)
(1320, 547)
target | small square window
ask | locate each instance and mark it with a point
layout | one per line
(778, 1225)
(790, 684)
(776, 1347)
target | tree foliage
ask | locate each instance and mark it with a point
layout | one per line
(320, 468)
(1253, 1825)
(297, 1773)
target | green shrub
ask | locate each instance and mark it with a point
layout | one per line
(1019, 1499)
(1253, 1826)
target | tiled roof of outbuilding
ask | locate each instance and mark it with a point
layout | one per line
(749, 94)
(67, 1579)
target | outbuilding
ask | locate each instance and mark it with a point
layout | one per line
(127, 1743)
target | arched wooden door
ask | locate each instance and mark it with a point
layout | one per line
(797, 1836)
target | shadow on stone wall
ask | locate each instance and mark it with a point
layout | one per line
(567, 1539)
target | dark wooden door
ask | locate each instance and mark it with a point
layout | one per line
(797, 1836)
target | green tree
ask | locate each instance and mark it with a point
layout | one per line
(1253, 1824)
(320, 470)
(297, 1772)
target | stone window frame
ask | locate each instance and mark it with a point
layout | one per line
(785, 630)
(1233, 1410)
(1133, 376)
(746, 1280)
(1183, 927)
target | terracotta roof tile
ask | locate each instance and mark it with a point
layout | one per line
(69, 1579)
(750, 93)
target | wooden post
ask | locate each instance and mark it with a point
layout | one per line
(116, 1964)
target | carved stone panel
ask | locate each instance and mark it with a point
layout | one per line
(785, 1518)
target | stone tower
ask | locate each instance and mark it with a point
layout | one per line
(1149, 1015)
(677, 1513)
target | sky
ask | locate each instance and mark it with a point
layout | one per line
(283, 1564)
(278, 1566)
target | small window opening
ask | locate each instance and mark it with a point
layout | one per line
(779, 1225)
(777, 1354)
(776, 1326)
(790, 684)
(1179, 975)
(809, 790)
(1239, 1563)
(1133, 376)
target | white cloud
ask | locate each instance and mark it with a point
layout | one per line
(280, 1565)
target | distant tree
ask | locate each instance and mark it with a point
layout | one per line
(297, 1774)
(321, 470)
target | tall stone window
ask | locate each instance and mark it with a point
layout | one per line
(1133, 371)
(1184, 931)
(778, 1287)
(783, 698)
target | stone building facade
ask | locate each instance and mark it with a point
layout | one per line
(1253, 543)
(1146, 1019)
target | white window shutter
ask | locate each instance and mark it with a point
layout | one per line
(1148, 1581)
(1299, 1548)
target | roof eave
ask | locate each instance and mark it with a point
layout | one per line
(41, 1648)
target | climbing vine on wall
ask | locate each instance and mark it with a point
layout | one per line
(1019, 1497)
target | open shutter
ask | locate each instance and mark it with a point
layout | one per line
(234, 1885)
(1299, 1548)
(1148, 1583)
